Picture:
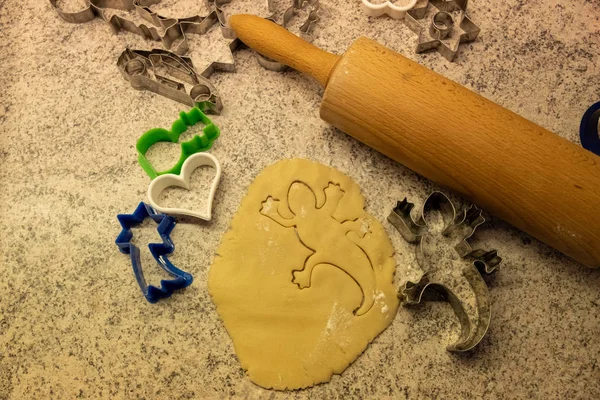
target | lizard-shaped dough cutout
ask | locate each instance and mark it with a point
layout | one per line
(329, 243)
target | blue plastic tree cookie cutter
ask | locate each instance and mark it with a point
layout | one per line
(588, 130)
(158, 250)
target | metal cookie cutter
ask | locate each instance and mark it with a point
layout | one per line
(446, 28)
(158, 185)
(225, 28)
(394, 11)
(148, 70)
(449, 263)
(305, 29)
(158, 250)
(217, 5)
(169, 27)
(198, 143)
(171, 31)
(195, 24)
(198, 25)
(588, 130)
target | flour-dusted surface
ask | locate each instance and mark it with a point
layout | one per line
(72, 319)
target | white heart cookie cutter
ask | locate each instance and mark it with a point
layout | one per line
(396, 12)
(160, 183)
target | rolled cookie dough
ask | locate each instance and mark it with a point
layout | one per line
(300, 215)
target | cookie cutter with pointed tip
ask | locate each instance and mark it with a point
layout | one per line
(158, 185)
(446, 27)
(159, 251)
(305, 29)
(444, 278)
(154, 70)
(198, 143)
(389, 8)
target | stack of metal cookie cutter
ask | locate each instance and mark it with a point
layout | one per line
(449, 264)
(166, 74)
(167, 30)
(443, 26)
(140, 68)
(170, 31)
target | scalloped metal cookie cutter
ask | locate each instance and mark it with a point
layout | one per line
(159, 184)
(443, 275)
(392, 10)
(148, 70)
(197, 144)
(158, 250)
(446, 28)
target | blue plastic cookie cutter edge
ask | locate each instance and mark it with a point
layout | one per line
(588, 130)
(158, 250)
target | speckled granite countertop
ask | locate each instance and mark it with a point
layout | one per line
(72, 320)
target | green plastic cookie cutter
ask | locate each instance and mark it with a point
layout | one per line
(198, 143)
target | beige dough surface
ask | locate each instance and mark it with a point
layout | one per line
(299, 215)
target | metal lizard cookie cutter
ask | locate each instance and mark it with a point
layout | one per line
(442, 29)
(198, 143)
(158, 185)
(443, 272)
(394, 11)
(144, 70)
(305, 29)
(158, 250)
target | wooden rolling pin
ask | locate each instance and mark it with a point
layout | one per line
(511, 167)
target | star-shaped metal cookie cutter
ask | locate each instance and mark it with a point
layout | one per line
(445, 28)
(158, 250)
(445, 272)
